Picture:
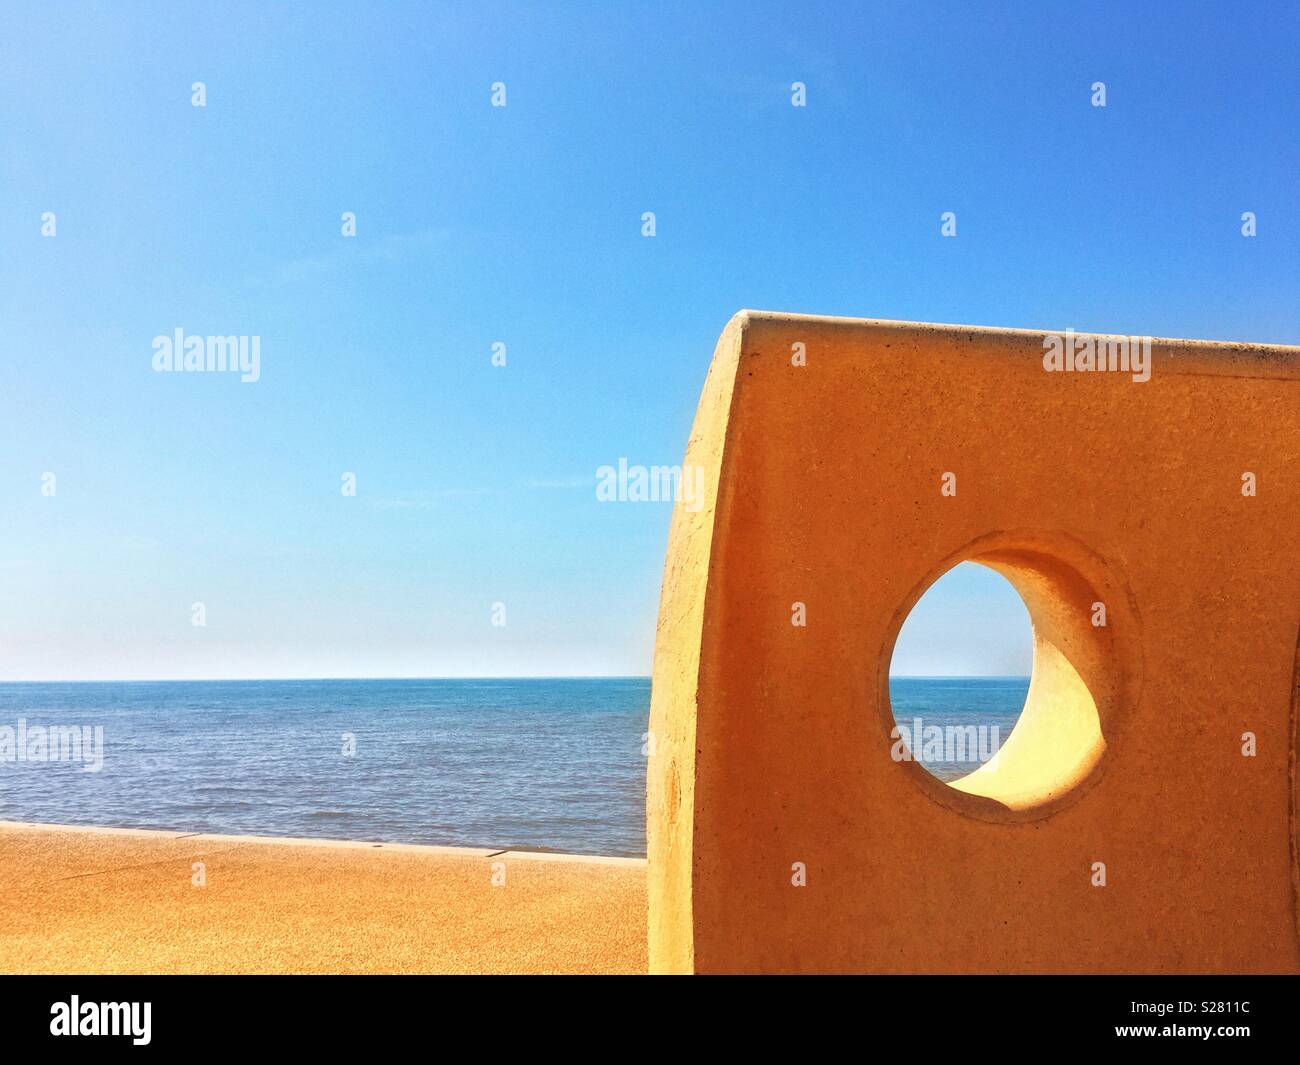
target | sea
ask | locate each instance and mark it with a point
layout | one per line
(553, 765)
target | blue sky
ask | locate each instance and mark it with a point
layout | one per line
(522, 224)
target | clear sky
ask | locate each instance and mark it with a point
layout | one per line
(522, 224)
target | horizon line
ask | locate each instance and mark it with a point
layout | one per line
(484, 677)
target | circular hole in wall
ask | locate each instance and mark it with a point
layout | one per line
(1049, 744)
(960, 671)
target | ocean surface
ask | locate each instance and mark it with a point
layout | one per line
(537, 764)
(985, 702)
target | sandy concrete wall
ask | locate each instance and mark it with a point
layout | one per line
(773, 760)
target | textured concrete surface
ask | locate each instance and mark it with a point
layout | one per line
(122, 901)
(824, 488)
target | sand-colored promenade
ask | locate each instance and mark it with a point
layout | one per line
(89, 900)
